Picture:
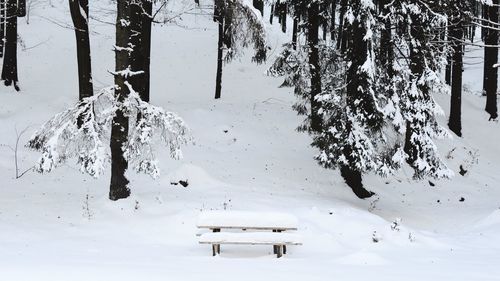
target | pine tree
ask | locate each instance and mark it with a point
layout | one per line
(418, 106)
(376, 99)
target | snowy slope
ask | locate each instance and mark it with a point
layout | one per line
(247, 156)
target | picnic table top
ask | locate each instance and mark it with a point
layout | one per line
(247, 220)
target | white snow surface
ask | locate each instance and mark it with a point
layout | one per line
(247, 156)
(245, 219)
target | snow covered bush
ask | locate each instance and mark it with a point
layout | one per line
(83, 132)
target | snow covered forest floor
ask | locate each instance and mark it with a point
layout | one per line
(246, 156)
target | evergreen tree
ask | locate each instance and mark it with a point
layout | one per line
(376, 99)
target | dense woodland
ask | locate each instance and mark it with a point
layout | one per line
(364, 72)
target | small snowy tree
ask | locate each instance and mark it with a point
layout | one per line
(61, 138)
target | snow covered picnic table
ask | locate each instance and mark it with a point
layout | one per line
(275, 223)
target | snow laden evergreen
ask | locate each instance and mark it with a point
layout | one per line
(244, 28)
(83, 132)
(376, 100)
(416, 82)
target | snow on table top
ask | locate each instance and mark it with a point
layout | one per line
(257, 238)
(247, 220)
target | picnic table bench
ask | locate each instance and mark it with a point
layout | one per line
(256, 229)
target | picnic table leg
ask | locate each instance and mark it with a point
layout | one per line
(280, 251)
(275, 247)
(284, 246)
(216, 247)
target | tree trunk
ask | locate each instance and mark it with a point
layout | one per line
(490, 59)
(77, 7)
(2, 26)
(355, 90)
(294, 33)
(9, 71)
(354, 180)
(332, 20)
(219, 16)
(485, 16)
(137, 55)
(259, 5)
(283, 14)
(313, 41)
(271, 15)
(386, 50)
(21, 8)
(341, 37)
(417, 69)
(449, 64)
(456, 33)
(146, 48)
(120, 126)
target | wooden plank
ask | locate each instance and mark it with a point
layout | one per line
(250, 243)
(247, 227)
(251, 238)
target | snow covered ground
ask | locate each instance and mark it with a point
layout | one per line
(247, 156)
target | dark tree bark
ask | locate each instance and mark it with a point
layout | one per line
(490, 59)
(294, 33)
(485, 16)
(417, 69)
(2, 26)
(219, 18)
(120, 126)
(282, 15)
(386, 50)
(456, 33)
(271, 15)
(82, 46)
(146, 48)
(354, 180)
(447, 75)
(9, 71)
(139, 53)
(357, 56)
(342, 35)
(313, 41)
(21, 8)
(259, 5)
(332, 19)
